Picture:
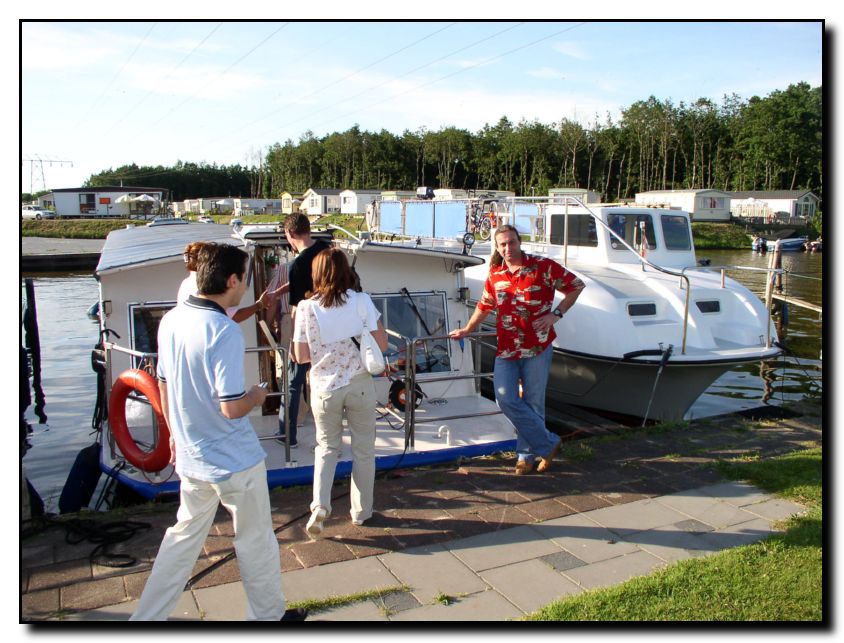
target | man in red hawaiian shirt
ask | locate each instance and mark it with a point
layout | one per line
(520, 288)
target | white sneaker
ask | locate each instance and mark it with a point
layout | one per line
(314, 526)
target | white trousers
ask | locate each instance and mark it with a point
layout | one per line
(246, 497)
(357, 400)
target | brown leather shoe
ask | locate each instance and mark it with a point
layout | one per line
(545, 463)
(523, 467)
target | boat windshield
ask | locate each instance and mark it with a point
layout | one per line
(582, 230)
(630, 226)
(675, 231)
(415, 314)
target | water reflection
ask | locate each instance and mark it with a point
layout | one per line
(796, 374)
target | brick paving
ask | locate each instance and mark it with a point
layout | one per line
(428, 507)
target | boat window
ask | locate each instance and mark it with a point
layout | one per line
(582, 230)
(675, 230)
(640, 310)
(629, 227)
(416, 314)
(711, 306)
(144, 320)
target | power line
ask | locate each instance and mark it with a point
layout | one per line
(459, 71)
(40, 161)
(331, 84)
(166, 76)
(223, 73)
(120, 71)
(407, 73)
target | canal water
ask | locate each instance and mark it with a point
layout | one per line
(67, 337)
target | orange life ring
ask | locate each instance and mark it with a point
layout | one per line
(134, 379)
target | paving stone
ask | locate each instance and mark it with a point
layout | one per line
(615, 570)
(482, 606)
(561, 561)
(737, 535)
(584, 501)
(706, 509)
(432, 570)
(327, 550)
(501, 548)
(775, 509)
(37, 555)
(636, 516)
(541, 510)
(530, 585)
(735, 493)
(506, 516)
(337, 579)
(118, 612)
(584, 538)
(396, 602)
(671, 543)
(360, 611)
(134, 584)
(37, 606)
(693, 526)
(59, 574)
(228, 572)
(91, 594)
(222, 602)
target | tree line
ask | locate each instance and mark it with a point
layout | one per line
(769, 143)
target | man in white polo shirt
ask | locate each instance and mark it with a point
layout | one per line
(216, 452)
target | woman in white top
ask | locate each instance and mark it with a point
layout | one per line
(322, 335)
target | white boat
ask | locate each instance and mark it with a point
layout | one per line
(651, 331)
(417, 291)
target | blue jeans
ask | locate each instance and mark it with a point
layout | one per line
(297, 375)
(527, 413)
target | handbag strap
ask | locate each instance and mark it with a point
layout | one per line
(362, 314)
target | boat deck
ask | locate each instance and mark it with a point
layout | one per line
(445, 430)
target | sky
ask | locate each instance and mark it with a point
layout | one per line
(97, 95)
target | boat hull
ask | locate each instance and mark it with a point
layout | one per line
(628, 387)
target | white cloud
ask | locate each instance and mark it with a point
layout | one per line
(546, 72)
(571, 49)
(47, 47)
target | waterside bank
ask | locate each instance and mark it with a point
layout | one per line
(613, 507)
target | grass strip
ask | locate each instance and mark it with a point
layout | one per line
(776, 579)
(330, 602)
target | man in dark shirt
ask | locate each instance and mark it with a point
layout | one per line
(297, 229)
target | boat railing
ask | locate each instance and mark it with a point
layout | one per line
(147, 362)
(568, 201)
(773, 280)
(407, 417)
(410, 380)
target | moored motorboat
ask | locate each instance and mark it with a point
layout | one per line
(430, 407)
(652, 329)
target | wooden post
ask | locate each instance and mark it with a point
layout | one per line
(774, 263)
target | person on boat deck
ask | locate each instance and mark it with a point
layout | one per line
(188, 287)
(213, 445)
(297, 229)
(325, 326)
(520, 288)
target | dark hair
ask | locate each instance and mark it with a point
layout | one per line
(496, 259)
(297, 224)
(332, 277)
(215, 263)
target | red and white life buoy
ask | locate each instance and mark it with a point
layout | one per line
(130, 380)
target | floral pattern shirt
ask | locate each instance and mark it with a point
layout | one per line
(519, 298)
(333, 364)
